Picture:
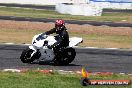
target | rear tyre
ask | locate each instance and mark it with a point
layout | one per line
(66, 57)
(26, 56)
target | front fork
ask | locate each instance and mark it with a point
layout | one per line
(34, 50)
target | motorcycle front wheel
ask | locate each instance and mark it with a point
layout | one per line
(26, 56)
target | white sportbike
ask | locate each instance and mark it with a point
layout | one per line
(39, 50)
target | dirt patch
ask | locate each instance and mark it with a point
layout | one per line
(105, 37)
(73, 28)
(7, 24)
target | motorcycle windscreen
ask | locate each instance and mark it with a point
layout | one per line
(74, 41)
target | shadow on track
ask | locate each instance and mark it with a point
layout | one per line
(51, 63)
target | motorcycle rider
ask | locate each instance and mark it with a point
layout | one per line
(62, 36)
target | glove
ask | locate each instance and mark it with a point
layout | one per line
(40, 37)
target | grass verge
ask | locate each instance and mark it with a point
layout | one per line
(35, 13)
(32, 79)
(91, 40)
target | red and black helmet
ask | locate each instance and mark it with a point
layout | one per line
(59, 23)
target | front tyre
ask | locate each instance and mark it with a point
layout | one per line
(26, 56)
(66, 57)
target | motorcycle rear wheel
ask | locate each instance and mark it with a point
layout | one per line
(66, 57)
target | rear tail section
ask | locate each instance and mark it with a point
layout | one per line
(74, 41)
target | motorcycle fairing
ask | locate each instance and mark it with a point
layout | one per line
(73, 41)
(48, 54)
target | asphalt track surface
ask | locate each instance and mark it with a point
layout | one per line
(95, 60)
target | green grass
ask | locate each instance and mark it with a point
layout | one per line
(105, 41)
(38, 80)
(22, 12)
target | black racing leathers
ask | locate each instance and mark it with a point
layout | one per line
(62, 38)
